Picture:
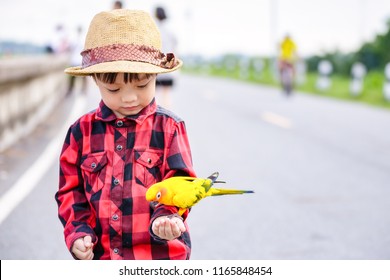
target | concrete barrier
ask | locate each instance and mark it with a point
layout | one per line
(30, 87)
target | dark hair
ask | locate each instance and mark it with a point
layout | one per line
(160, 13)
(111, 77)
(118, 5)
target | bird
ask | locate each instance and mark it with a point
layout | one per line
(184, 192)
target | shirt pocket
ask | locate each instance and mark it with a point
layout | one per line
(148, 166)
(93, 167)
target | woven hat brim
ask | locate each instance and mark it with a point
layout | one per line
(121, 66)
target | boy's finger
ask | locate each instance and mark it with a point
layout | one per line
(88, 241)
(79, 245)
(155, 227)
(165, 227)
(176, 232)
(89, 255)
(180, 224)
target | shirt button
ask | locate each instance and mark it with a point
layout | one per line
(119, 147)
(93, 165)
(119, 123)
(116, 251)
(116, 182)
(115, 217)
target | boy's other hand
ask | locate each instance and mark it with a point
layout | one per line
(82, 248)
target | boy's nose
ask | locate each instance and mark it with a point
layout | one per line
(128, 97)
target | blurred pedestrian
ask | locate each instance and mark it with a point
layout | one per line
(113, 154)
(165, 82)
(59, 43)
(75, 59)
(117, 5)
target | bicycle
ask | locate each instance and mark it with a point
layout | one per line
(287, 77)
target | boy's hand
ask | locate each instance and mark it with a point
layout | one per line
(82, 248)
(168, 228)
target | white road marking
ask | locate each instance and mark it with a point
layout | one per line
(277, 120)
(27, 182)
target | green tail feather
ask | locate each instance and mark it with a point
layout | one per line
(213, 177)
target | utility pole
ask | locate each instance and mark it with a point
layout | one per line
(273, 5)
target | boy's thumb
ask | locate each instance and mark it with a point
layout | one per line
(88, 241)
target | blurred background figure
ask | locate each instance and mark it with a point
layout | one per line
(76, 47)
(59, 40)
(117, 5)
(165, 82)
(286, 63)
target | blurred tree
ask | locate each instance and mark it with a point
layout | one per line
(341, 62)
(374, 55)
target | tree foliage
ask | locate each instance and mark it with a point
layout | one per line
(374, 55)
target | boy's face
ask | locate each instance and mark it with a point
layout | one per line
(126, 99)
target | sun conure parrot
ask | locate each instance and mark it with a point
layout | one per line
(184, 192)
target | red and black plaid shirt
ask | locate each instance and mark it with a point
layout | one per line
(106, 166)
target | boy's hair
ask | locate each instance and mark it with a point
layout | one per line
(111, 77)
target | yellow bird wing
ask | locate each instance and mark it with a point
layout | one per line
(184, 192)
(188, 196)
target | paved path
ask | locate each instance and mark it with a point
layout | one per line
(320, 170)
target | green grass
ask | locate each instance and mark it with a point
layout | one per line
(371, 94)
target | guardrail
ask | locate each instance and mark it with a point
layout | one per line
(30, 87)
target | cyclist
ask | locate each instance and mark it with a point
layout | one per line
(286, 61)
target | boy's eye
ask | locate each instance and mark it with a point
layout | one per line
(113, 90)
(142, 86)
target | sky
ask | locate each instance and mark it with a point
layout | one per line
(216, 27)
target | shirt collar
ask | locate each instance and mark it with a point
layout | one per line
(107, 115)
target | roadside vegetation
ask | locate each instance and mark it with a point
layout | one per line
(373, 56)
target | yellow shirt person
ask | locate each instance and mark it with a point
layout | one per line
(288, 50)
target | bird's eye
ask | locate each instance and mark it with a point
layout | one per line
(158, 195)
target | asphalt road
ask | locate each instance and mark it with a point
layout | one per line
(319, 169)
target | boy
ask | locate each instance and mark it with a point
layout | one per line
(113, 154)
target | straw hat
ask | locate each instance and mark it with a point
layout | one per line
(124, 41)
